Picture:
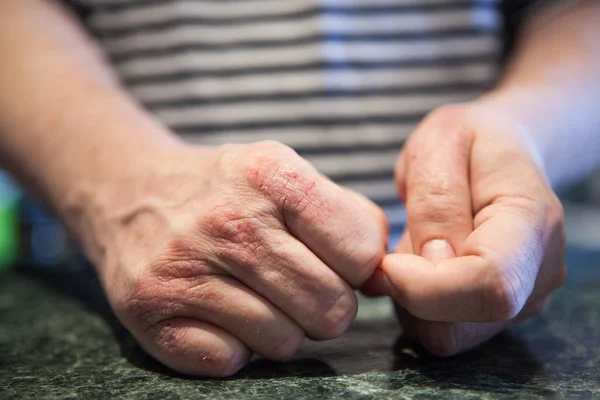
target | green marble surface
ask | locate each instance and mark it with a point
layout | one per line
(58, 340)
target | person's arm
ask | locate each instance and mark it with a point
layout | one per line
(206, 254)
(484, 246)
(552, 86)
(64, 118)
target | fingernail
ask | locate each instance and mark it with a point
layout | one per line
(437, 250)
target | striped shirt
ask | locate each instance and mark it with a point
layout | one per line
(343, 82)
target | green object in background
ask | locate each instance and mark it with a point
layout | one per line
(8, 235)
(9, 224)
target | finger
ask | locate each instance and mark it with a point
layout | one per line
(445, 339)
(379, 284)
(375, 212)
(339, 230)
(553, 271)
(442, 338)
(193, 347)
(325, 217)
(285, 272)
(434, 176)
(400, 175)
(491, 281)
(408, 323)
(224, 302)
(405, 244)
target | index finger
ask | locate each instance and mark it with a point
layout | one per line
(433, 178)
(333, 223)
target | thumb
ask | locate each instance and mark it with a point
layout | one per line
(434, 177)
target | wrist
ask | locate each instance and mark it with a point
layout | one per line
(518, 114)
(124, 202)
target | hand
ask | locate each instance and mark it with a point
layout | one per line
(484, 245)
(217, 253)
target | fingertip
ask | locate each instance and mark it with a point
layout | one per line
(378, 285)
(375, 213)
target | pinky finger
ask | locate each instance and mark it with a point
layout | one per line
(194, 347)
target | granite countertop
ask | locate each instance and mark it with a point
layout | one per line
(59, 340)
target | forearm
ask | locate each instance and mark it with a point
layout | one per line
(64, 119)
(552, 86)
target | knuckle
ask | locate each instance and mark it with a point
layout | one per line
(450, 113)
(237, 233)
(503, 297)
(285, 179)
(292, 191)
(168, 338)
(437, 207)
(285, 348)
(255, 162)
(545, 219)
(163, 293)
(179, 258)
(337, 318)
(171, 339)
(530, 209)
(365, 257)
(297, 193)
(453, 119)
(147, 303)
(263, 160)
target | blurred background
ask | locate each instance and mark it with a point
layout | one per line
(31, 238)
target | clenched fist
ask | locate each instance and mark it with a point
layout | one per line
(215, 253)
(485, 241)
